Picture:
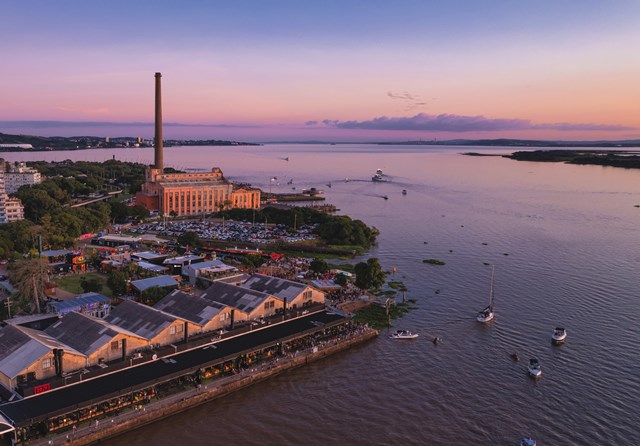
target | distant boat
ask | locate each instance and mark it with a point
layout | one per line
(287, 158)
(403, 334)
(486, 315)
(559, 335)
(528, 441)
(385, 197)
(534, 369)
(379, 171)
(378, 178)
(404, 192)
(329, 185)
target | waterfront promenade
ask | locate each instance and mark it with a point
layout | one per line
(65, 399)
(140, 415)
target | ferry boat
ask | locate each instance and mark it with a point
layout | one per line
(534, 368)
(487, 315)
(403, 334)
(559, 335)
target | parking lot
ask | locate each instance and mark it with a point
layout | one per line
(229, 231)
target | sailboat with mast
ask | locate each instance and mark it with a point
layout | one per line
(487, 315)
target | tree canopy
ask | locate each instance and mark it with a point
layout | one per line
(369, 274)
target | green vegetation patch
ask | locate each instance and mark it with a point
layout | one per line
(376, 315)
(397, 285)
(73, 283)
(433, 261)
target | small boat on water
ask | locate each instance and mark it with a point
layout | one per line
(486, 314)
(403, 334)
(385, 197)
(404, 192)
(528, 441)
(559, 335)
(515, 356)
(378, 178)
(379, 172)
(534, 369)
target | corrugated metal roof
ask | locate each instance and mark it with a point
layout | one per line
(18, 351)
(139, 319)
(152, 267)
(207, 264)
(281, 288)
(76, 303)
(244, 299)
(192, 308)
(159, 281)
(81, 332)
(55, 253)
(148, 255)
(182, 260)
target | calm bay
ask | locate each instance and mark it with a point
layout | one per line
(564, 240)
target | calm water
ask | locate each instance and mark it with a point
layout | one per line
(572, 237)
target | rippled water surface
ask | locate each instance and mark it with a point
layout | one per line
(565, 243)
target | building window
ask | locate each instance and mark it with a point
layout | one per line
(307, 294)
(47, 363)
(269, 304)
(115, 345)
(172, 329)
(179, 328)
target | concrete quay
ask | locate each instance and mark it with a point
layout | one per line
(165, 407)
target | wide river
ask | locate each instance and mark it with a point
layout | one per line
(565, 242)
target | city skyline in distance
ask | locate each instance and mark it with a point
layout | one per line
(332, 71)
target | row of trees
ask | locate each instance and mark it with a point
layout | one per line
(338, 230)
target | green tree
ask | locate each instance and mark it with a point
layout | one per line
(29, 277)
(319, 266)
(117, 281)
(37, 203)
(369, 274)
(190, 238)
(253, 261)
(341, 279)
(119, 211)
(21, 233)
(91, 284)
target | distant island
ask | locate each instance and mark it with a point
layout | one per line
(613, 158)
(19, 143)
(517, 143)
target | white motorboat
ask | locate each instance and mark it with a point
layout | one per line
(403, 334)
(534, 368)
(528, 441)
(486, 314)
(378, 178)
(559, 335)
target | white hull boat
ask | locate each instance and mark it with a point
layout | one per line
(403, 334)
(487, 315)
(534, 368)
(559, 335)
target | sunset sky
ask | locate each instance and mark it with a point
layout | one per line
(323, 70)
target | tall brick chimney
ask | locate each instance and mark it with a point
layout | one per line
(158, 161)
